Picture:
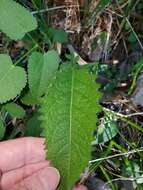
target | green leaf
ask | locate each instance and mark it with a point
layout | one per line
(12, 79)
(15, 110)
(15, 20)
(2, 129)
(41, 69)
(132, 38)
(28, 99)
(69, 118)
(33, 126)
(106, 132)
(58, 35)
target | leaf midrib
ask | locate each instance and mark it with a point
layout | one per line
(70, 124)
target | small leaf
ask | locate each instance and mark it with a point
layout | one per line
(41, 69)
(15, 110)
(2, 129)
(33, 126)
(106, 131)
(132, 38)
(69, 119)
(58, 35)
(15, 20)
(12, 79)
(28, 99)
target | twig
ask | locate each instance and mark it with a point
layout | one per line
(122, 115)
(135, 34)
(123, 179)
(52, 9)
(108, 36)
(135, 114)
(116, 155)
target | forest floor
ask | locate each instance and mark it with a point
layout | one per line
(108, 35)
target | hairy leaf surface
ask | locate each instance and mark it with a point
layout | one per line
(41, 69)
(15, 20)
(12, 79)
(70, 116)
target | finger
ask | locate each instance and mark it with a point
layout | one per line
(80, 187)
(13, 177)
(19, 152)
(45, 179)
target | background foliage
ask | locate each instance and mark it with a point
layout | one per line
(34, 52)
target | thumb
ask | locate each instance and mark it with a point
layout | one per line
(79, 187)
(45, 179)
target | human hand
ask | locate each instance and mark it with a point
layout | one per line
(23, 166)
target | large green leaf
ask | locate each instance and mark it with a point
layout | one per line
(70, 116)
(12, 79)
(41, 69)
(15, 20)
